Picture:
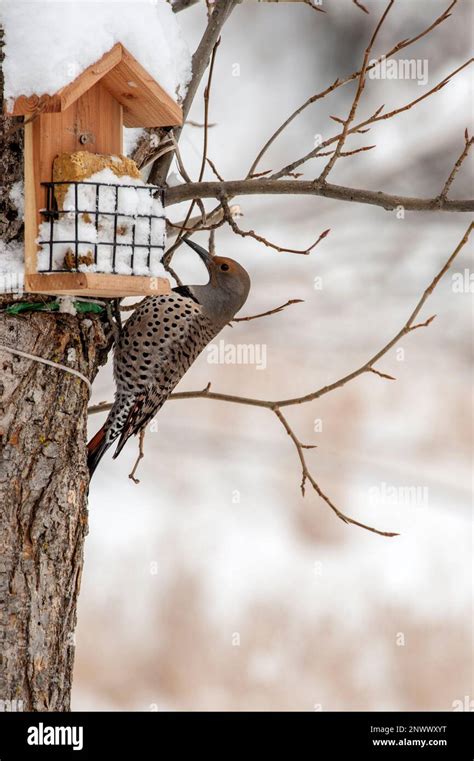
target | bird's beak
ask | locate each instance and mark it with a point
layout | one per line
(200, 251)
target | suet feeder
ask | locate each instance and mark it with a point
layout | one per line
(69, 136)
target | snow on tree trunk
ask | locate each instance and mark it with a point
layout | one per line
(43, 480)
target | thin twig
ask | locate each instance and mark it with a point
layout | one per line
(212, 243)
(306, 476)
(174, 146)
(199, 226)
(342, 154)
(357, 96)
(214, 219)
(221, 12)
(21, 124)
(359, 5)
(168, 255)
(140, 456)
(192, 123)
(270, 311)
(181, 5)
(313, 6)
(179, 159)
(132, 307)
(252, 234)
(468, 141)
(207, 93)
(381, 375)
(213, 167)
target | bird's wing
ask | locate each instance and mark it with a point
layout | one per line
(171, 360)
(153, 339)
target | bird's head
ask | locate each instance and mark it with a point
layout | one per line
(227, 289)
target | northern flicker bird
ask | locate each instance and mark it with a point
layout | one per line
(160, 341)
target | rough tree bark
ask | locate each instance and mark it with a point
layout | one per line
(43, 479)
(43, 496)
(11, 168)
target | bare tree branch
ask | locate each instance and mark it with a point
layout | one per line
(166, 259)
(276, 406)
(360, 87)
(377, 117)
(220, 14)
(275, 310)
(232, 188)
(341, 82)
(306, 476)
(214, 219)
(252, 234)
(407, 328)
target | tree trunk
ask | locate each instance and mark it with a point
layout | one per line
(43, 476)
(43, 496)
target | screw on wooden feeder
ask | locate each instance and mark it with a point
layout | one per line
(88, 114)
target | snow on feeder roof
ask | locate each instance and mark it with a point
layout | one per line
(48, 43)
(88, 115)
(145, 103)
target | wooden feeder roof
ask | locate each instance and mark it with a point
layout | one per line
(145, 103)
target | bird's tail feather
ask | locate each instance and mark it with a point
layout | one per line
(96, 448)
(122, 441)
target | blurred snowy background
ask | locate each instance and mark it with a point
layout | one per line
(213, 584)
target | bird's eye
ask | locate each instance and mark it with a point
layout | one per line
(225, 267)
